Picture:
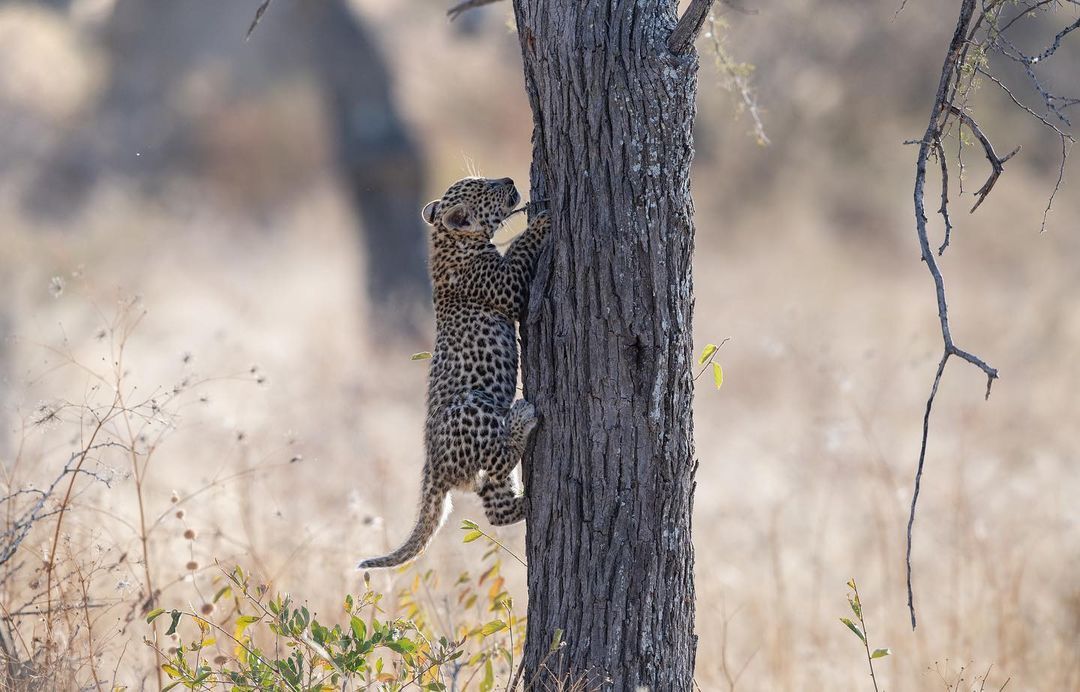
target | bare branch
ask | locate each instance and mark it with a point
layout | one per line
(466, 5)
(918, 479)
(939, 151)
(258, 17)
(686, 31)
(1025, 12)
(1024, 107)
(1057, 183)
(943, 103)
(1052, 48)
(997, 163)
(977, 30)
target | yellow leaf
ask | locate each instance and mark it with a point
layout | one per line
(492, 627)
(718, 375)
(242, 623)
(423, 355)
(709, 350)
(471, 536)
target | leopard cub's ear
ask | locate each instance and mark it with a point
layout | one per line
(457, 218)
(429, 212)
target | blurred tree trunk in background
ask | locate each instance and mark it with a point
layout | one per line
(607, 346)
(177, 66)
(381, 164)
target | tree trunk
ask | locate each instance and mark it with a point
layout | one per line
(607, 346)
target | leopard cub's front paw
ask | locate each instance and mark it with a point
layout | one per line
(541, 221)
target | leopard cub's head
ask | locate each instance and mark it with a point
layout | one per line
(473, 207)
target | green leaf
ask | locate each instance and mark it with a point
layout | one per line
(492, 627)
(880, 653)
(718, 375)
(423, 355)
(153, 615)
(359, 629)
(854, 628)
(472, 536)
(709, 350)
(467, 525)
(488, 683)
(175, 621)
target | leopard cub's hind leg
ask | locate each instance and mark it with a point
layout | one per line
(503, 503)
(521, 421)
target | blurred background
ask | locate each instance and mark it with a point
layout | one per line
(231, 230)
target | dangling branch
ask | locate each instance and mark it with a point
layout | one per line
(976, 29)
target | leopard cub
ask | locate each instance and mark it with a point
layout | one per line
(475, 432)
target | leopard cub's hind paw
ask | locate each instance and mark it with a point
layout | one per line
(523, 417)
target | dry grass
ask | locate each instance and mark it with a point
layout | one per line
(806, 259)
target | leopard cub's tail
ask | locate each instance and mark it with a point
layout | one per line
(434, 507)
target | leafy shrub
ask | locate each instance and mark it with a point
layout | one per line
(269, 641)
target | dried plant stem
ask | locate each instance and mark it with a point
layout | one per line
(865, 636)
(50, 565)
(89, 627)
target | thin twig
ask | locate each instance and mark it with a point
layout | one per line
(918, 479)
(1057, 183)
(258, 17)
(939, 151)
(997, 163)
(463, 7)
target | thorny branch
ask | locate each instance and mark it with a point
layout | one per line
(978, 29)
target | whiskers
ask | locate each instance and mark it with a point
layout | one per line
(471, 167)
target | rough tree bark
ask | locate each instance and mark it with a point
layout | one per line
(607, 343)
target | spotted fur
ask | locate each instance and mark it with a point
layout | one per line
(475, 432)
